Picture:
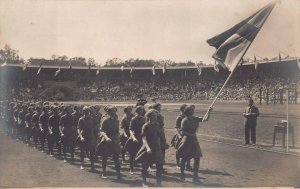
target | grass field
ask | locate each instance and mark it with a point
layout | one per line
(226, 122)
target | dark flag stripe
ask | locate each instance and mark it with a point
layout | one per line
(232, 44)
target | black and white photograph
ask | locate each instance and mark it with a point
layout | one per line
(149, 93)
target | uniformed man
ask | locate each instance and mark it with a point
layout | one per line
(43, 127)
(16, 131)
(111, 141)
(21, 122)
(160, 120)
(251, 113)
(53, 132)
(125, 122)
(150, 152)
(135, 142)
(189, 146)
(28, 124)
(87, 135)
(35, 129)
(177, 137)
(68, 133)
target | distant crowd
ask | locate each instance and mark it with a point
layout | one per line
(269, 89)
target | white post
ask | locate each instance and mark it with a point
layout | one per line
(287, 121)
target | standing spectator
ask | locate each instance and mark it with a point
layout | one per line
(251, 113)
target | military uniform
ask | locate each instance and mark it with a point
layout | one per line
(35, 127)
(152, 133)
(21, 124)
(110, 126)
(87, 129)
(250, 123)
(28, 126)
(54, 137)
(189, 147)
(68, 134)
(125, 122)
(43, 121)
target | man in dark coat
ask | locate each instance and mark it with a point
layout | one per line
(251, 113)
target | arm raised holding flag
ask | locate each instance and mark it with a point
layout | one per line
(233, 44)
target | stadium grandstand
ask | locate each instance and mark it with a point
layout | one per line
(264, 80)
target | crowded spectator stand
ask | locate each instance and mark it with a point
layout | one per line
(267, 83)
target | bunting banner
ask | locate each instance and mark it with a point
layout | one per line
(199, 70)
(153, 70)
(25, 66)
(164, 68)
(57, 72)
(279, 57)
(39, 70)
(131, 72)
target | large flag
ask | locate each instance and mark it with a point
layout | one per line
(39, 70)
(232, 44)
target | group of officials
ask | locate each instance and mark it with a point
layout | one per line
(68, 127)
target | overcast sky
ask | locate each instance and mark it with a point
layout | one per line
(161, 29)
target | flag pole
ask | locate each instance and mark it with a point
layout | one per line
(206, 114)
(287, 121)
(230, 75)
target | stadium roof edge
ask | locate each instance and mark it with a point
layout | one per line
(140, 68)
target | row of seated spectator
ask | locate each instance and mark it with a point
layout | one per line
(268, 86)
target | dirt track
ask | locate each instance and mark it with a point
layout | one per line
(222, 166)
